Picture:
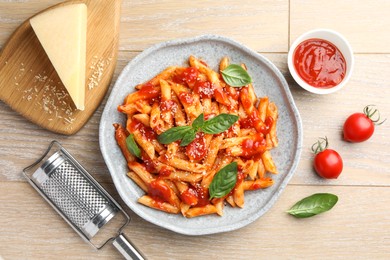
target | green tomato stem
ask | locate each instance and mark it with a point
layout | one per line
(320, 145)
(369, 111)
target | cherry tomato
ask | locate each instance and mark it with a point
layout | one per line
(327, 162)
(360, 126)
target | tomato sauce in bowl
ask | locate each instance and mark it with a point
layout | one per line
(319, 63)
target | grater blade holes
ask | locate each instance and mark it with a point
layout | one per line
(74, 194)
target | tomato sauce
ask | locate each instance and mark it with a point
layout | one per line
(186, 98)
(233, 92)
(266, 127)
(147, 162)
(253, 120)
(319, 63)
(188, 75)
(146, 132)
(202, 194)
(221, 96)
(168, 105)
(189, 197)
(148, 91)
(195, 195)
(250, 121)
(196, 150)
(160, 190)
(165, 171)
(204, 88)
(254, 146)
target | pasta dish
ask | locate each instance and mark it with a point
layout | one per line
(196, 139)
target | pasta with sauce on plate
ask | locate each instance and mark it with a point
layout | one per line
(193, 142)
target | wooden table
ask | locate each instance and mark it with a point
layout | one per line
(358, 227)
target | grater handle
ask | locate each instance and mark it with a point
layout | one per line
(126, 248)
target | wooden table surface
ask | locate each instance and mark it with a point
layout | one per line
(358, 227)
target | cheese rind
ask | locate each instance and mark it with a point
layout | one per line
(62, 32)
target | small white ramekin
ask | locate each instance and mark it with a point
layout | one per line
(331, 36)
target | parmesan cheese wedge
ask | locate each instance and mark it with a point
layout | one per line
(62, 32)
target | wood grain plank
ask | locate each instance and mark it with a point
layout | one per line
(14, 13)
(148, 22)
(340, 232)
(144, 23)
(364, 23)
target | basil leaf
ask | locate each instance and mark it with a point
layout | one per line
(224, 181)
(188, 137)
(132, 146)
(198, 122)
(218, 124)
(173, 134)
(235, 76)
(313, 205)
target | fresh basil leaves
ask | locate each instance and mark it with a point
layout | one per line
(188, 137)
(218, 124)
(224, 181)
(187, 134)
(235, 76)
(132, 146)
(173, 134)
(198, 122)
(313, 205)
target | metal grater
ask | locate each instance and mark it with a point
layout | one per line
(78, 198)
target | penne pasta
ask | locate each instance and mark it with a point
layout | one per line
(182, 164)
(120, 137)
(137, 180)
(258, 184)
(200, 211)
(180, 156)
(143, 118)
(157, 204)
(269, 164)
(183, 176)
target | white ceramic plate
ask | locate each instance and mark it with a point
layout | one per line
(267, 80)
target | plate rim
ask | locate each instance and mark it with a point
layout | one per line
(291, 104)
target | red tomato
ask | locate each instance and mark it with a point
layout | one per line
(327, 162)
(360, 126)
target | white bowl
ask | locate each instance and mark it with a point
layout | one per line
(335, 38)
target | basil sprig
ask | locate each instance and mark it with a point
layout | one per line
(218, 124)
(188, 137)
(187, 134)
(174, 134)
(224, 181)
(132, 146)
(313, 205)
(198, 122)
(234, 75)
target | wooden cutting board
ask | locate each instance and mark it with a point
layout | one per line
(30, 85)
